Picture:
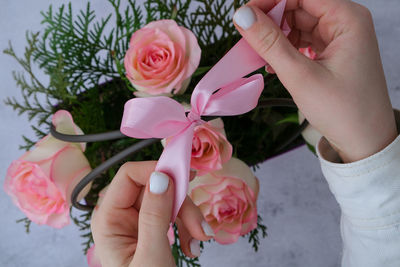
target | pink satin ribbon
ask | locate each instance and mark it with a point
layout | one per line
(162, 117)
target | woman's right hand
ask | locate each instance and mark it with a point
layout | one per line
(343, 93)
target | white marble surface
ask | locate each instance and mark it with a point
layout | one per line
(295, 201)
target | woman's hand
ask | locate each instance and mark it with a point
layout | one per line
(131, 221)
(343, 93)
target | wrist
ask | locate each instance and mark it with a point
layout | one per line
(367, 145)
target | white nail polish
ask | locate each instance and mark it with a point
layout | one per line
(195, 247)
(244, 17)
(158, 183)
(207, 229)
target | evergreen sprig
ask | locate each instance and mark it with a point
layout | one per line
(83, 223)
(180, 258)
(254, 236)
(212, 21)
(31, 88)
(27, 224)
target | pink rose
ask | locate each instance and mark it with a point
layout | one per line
(308, 52)
(210, 148)
(91, 257)
(227, 199)
(161, 58)
(40, 183)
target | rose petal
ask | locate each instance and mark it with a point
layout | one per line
(238, 169)
(64, 123)
(68, 168)
(193, 52)
(225, 238)
(59, 220)
(199, 196)
(92, 259)
(44, 149)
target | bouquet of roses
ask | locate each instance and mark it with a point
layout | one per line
(158, 54)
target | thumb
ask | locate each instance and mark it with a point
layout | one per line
(271, 44)
(154, 220)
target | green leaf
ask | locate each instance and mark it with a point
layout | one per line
(200, 71)
(311, 148)
(290, 118)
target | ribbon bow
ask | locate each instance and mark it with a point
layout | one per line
(221, 92)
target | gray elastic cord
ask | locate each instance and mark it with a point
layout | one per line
(292, 137)
(103, 167)
(277, 102)
(86, 138)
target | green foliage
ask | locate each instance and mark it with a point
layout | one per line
(291, 118)
(31, 88)
(254, 235)
(27, 224)
(180, 258)
(312, 149)
(83, 223)
(83, 55)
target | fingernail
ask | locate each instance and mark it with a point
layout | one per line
(158, 183)
(207, 229)
(195, 247)
(244, 17)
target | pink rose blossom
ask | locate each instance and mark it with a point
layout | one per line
(91, 257)
(227, 199)
(210, 148)
(308, 52)
(40, 183)
(161, 58)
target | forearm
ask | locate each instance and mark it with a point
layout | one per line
(368, 192)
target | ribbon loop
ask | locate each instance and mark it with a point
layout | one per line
(155, 117)
(237, 98)
(237, 63)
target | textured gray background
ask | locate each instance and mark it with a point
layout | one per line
(295, 201)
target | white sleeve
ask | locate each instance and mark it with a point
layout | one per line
(368, 192)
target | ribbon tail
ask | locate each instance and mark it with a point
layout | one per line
(175, 162)
(276, 13)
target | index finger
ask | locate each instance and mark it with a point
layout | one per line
(126, 186)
